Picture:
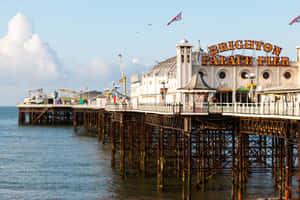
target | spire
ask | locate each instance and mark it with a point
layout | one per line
(199, 47)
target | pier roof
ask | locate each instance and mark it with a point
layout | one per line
(168, 65)
(197, 83)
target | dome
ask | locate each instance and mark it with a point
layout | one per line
(184, 41)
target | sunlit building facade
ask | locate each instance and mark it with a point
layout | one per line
(199, 77)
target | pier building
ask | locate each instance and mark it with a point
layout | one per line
(196, 78)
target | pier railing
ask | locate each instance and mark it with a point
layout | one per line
(161, 108)
(274, 108)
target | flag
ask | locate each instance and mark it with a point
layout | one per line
(122, 80)
(297, 19)
(177, 18)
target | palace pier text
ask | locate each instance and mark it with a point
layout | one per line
(185, 148)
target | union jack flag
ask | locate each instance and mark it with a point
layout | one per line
(177, 18)
(297, 19)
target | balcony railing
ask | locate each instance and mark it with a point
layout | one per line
(274, 108)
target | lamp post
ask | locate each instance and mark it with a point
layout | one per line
(123, 75)
(251, 76)
(164, 91)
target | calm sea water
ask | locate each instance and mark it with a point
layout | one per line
(55, 163)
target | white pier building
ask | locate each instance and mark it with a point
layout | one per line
(196, 78)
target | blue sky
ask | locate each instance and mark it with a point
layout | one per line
(85, 34)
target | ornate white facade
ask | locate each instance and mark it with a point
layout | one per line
(170, 80)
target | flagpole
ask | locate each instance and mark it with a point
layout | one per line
(182, 25)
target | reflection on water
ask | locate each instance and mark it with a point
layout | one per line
(54, 163)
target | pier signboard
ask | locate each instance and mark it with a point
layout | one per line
(215, 59)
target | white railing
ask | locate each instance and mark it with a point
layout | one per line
(274, 108)
(162, 108)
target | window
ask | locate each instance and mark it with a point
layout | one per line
(266, 75)
(182, 50)
(244, 75)
(287, 75)
(201, 73)
(188, 50)
(222, 75)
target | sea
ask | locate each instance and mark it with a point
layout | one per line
(53, 163)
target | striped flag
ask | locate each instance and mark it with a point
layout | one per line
(297, 19)
(177, 18)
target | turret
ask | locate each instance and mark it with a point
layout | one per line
(184, 63)
(298, 53)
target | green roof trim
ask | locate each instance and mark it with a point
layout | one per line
(242, 90)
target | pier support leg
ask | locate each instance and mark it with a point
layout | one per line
(198, 161)
(239, 167)
(203, 160)
(21, 117)
(122, 149)
(288, 171)
(281, 167)
(99, 127)
(130, 147)
(103, 128)
(187, 165)
(113, 143)
(143, 133)
(75, 121)
(233, 164)
(178, 152)
(30, 118)
(53, 117)
(298, 172)
(160, 160)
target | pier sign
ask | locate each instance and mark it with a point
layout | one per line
(215, 59)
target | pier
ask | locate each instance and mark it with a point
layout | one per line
(187, 147)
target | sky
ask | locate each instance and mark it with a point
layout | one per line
(75, 44)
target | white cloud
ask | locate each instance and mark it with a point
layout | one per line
(23, 56)
(27, 62)
(135, 61)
